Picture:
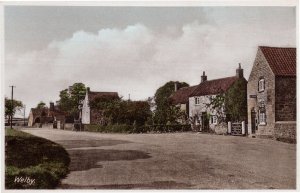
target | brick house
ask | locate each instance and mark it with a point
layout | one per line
(272, 93)
(91, 115)
(43, 116)
(205, 117)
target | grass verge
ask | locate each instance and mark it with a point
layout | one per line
(32, 162)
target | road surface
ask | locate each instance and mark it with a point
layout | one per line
(174, 161)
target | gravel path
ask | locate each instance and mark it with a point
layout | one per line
(174, 161)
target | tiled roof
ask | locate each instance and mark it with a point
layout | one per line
(211, 87)
(181, 96)
(36, 112)
(281, 60)
(93, 95)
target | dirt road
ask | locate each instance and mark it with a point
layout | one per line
(174, 161)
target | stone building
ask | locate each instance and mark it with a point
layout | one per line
(91, 115)
(272, 93)
(39, 117)
(204, 116)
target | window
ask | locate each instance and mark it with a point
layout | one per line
(214, 119)
(261, 85)
(197, 100)
(262, 117)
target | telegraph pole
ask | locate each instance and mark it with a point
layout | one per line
(12, 104)
(24, 114)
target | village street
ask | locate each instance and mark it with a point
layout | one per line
(176, 160)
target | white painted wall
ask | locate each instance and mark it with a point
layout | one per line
(198, 109)
(86, 110)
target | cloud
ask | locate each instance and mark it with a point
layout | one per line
(137, 60)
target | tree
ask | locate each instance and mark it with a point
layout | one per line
(12, 107)
(41, 105)
(69, 99)
(217, 104)
(165, 111)
(117, 111)
(232, 104)
(236, 101)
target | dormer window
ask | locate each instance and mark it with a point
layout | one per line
(261, 85)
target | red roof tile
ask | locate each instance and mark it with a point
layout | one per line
(212, 87)
(281, 60)
(182, 95)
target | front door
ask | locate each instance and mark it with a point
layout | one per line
(253, 122)
(205, 122)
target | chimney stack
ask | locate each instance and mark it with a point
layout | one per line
(203, 77)
(239, 72)
(175, 86)
(51, 106)
(87, 89)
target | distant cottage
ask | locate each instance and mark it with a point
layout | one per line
(43, 116)
(194, 100)
(92, 115)
(272, 93)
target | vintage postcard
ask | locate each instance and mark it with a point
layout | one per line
(149, 95)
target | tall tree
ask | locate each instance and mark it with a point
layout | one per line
(70, 98)
(164, 111)
(12, 107)
(236, 101)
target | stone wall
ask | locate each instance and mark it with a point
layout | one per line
(261, 69)
(285, 106)
(285, 131)
(221, 128)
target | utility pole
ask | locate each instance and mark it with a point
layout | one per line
(24, 114)
(12, 104)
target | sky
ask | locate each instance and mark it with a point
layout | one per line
(133, 50)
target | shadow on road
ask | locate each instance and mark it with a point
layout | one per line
(90, 143)
(87, 159)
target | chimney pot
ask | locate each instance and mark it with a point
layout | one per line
(203, 77)
(239, 72)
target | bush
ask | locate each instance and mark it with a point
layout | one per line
(123, 128)
(138, 129)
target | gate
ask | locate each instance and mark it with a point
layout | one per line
(236, 129)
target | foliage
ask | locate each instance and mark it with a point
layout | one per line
(231, 105)
(41, 105)
(118, 111)
(12, 107)
(69, 100)
(165, 111)
(34, 157)
(123, 128)
(217, 105)
(236, 101)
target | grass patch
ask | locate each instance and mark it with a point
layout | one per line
(30, 157)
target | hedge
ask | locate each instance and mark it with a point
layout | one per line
(138, 129)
